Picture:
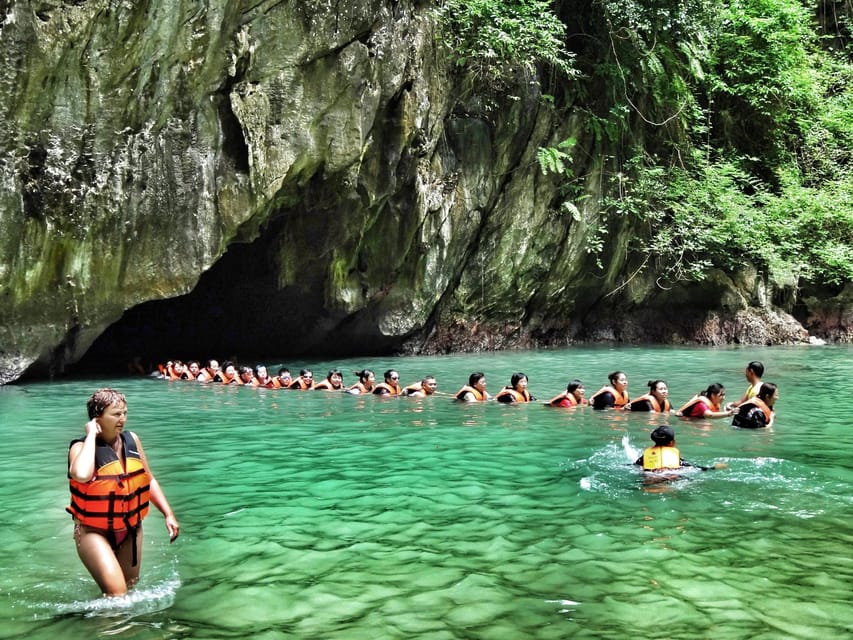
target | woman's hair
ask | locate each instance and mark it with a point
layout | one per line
(613, 377)
(767, 390)
(388, 373)
(364, 374)
(515, 378)
(245, 369)
(101, 399)
(475, 377)
(653, 384)
(573, 386)
(713, 389)
(756, 367)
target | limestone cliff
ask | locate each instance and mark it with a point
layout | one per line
(275, 177)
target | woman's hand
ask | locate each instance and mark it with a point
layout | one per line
(173, 527)
(92, 427)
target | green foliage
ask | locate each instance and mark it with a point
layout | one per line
(556, 159)
(729, 123)
(732, 131)
(496, 38)
(722, 217)
(761, 80)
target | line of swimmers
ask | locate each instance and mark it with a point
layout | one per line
(753, 410)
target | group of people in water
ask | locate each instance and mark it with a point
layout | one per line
(753, 410)
(112, 485)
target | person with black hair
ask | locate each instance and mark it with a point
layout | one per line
(664, 455)
(515, 391)
(475, 390)
(390, 386)
(655, 400)
(757, 412)
(753, 372)
(614, 395)
(573, 396)
(706, 404)
(365, 384)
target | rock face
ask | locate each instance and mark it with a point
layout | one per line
(193, 178)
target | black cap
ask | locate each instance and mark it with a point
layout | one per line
(663, 435)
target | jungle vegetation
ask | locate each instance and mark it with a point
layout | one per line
(728, 123)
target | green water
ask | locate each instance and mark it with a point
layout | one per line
(316, 515)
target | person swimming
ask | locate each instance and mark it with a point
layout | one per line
(664, 455)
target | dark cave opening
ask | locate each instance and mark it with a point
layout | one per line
(237, 311)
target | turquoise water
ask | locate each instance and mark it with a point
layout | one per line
(315, 515)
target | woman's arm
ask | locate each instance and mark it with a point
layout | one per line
(717, 414)
(157, 497)
(81, 456)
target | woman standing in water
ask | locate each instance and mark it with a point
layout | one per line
(111, 485)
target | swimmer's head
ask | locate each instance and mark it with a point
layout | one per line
(663, 435)
(101, 399)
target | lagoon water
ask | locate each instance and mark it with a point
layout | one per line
(317, 515)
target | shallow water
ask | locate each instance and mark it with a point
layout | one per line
(312, 515)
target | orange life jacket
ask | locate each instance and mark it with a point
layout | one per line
(116, 497)
(300, 385)
(359, 386)
(415, 387)
(694, 400)
(224, 378)
(657, 458)
(393, 391)
(620, 399)
(171, 374)
(758, 402)
(206, 375)
(654, 402)
(518, 396)
(326, 385)
(478, 395)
